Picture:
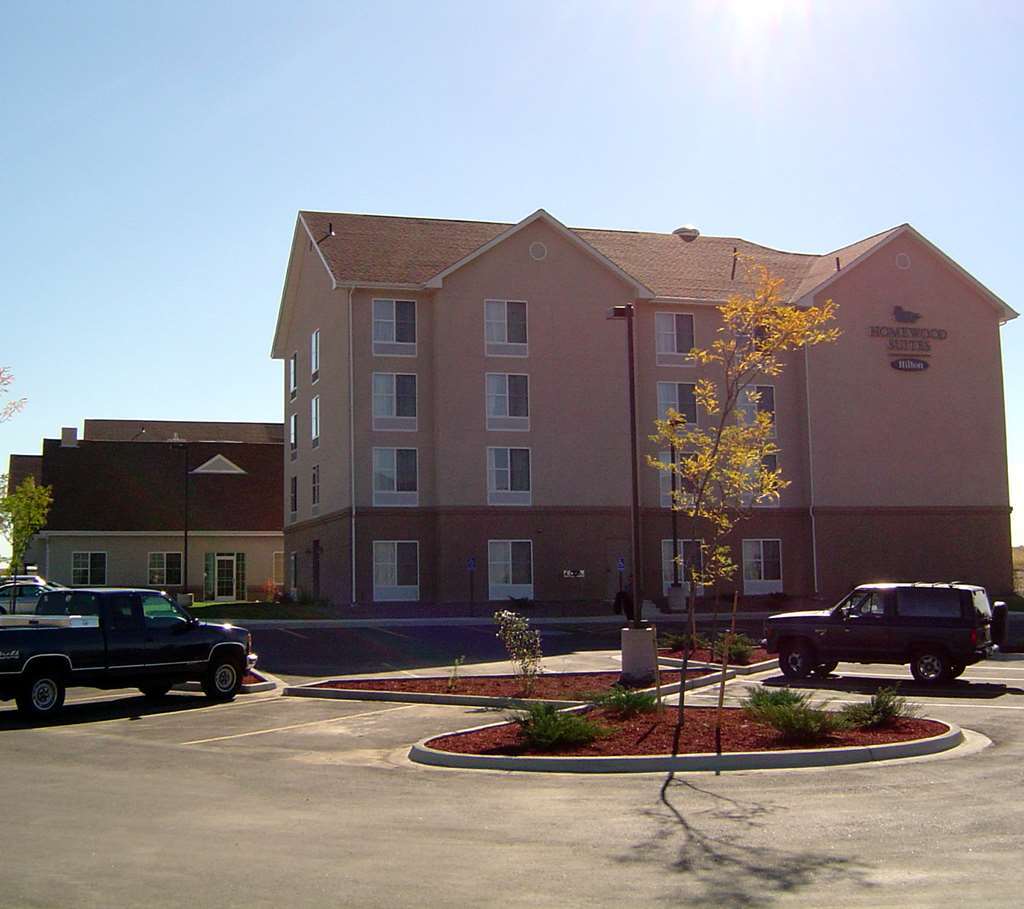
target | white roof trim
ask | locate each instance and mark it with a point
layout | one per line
(642, 291)
(1005, 311)
(218, 464)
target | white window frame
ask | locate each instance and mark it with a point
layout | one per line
(162, 569)
(293, 435)
(665, 480)
(89, 582)
(314, 356)
(277, 571)
(293, 376)
(501, 346)
(504, 422)
(293, 496)
(749, 408)
(498, 496)
(314, 494)
(388, 346)
(314, 421)
(394, 497)
(760, 585)
(666, 566)
(672, 356)
(389, 421)
(666, 401)
(391, 592)
(501, 590)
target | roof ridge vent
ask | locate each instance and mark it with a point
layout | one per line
(687, 232)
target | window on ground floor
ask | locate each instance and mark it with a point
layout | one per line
(509, 569)
(164, 569)
(396, 570)
(279, 569)
(88, 569)
(762, 566)
(689, 553)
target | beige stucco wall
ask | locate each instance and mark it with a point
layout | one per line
(128, 556)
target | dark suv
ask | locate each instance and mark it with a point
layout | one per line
(939, 629)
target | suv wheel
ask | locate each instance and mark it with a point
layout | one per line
(796, 661)
(41, 694)
(931, 667)
(223, 678)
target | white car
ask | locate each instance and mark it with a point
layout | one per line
(24, 594)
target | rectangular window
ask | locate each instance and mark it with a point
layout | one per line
(674, 332)
(394, 328)
(684, 486)
(293, 435)
(293, 496)
(508, 476)
(762, 566)
(314, 355)
(396, 570)
(755, 400)
(505, 328)
(293, 376)
(677, 396)
(394, 402)
(279, 569)
(770, 463)
(316, 486)
(509, 569)
(395, 477)
(314, 420)
(928, 602)
(690, 554)
(165, 569)
(293, 572)
(507, 401)
(88, 569)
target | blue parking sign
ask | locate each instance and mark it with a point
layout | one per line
(471, 564)
(622, 564)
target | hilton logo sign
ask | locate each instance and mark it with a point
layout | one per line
(908, 346)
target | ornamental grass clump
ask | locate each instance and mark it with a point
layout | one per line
(790, 713)
(740, 648)
(882, 709)
(543, 728)
(680, 641)
(626, 702)
(522, 644)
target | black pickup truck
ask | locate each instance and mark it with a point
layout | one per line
(115, 638)
(938, 628)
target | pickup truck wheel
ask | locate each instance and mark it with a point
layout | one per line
(931, 667)
(223, 678)
(41, 694)
(956, 670)
(825, 669)
(154, 692)
(796, 661)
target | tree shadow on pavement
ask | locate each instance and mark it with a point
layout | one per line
(717, 844)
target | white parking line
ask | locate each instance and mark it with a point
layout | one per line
(333, 719)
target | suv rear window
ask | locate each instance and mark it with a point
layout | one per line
(928, 602)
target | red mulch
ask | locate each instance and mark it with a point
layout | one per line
(757, 655)
(647, 734)
(563, 686)
(251, 679)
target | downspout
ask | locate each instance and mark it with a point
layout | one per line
(810, 467)
(351, 455)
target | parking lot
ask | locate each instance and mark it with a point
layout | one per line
(271, 801)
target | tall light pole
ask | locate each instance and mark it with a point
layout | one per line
(626, 311)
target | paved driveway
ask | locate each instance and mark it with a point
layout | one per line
(274, 802)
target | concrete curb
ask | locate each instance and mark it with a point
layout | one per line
(251, 688)
(422, 753)
(313, 690)
(428, 621)
(763, 666)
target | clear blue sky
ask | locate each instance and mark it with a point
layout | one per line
(155, 154)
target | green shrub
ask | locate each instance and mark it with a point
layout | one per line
(741, 648)
(627, 701)
(679, 641)
(884, 707)
(791, 714)
(544, 728)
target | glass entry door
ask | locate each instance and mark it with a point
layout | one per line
(225, 577)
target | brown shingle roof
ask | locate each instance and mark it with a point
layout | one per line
(186, 430)
(22, 467)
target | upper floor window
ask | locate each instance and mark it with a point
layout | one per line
(505, 328)
(508, 476)
(314, 355)
(755, 400)
(293, 496)
(395, 476)
(394, 401)
(675, 338)
(762, 566)
(508, 401)
(293, 376)
(315, 492)
(685, 494)
(314, 420)
(293, 434)
(677, 396)
(394, 328)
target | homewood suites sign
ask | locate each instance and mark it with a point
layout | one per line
(908, 346)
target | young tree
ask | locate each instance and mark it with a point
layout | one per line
(9, 409)
(726, 465)
(23, 513)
